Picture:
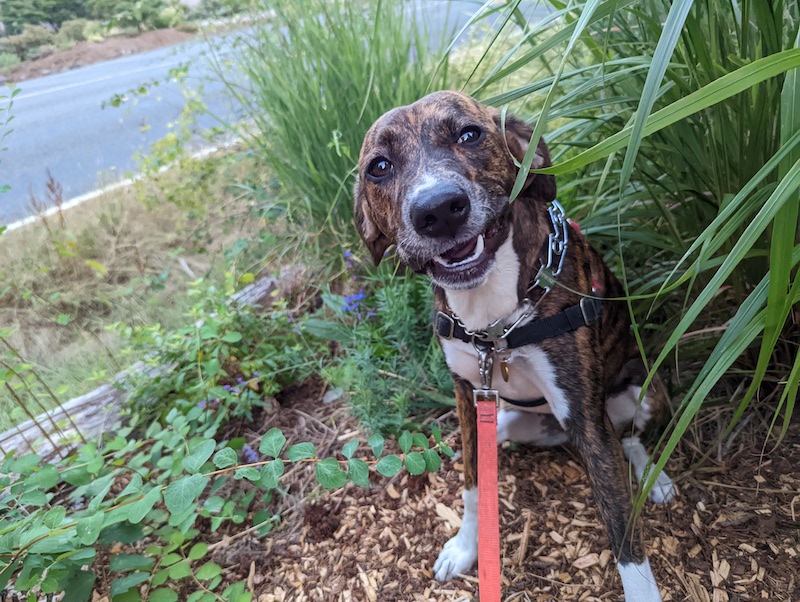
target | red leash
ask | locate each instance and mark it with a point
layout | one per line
(488, 509)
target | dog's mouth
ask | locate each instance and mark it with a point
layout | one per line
(466, 264)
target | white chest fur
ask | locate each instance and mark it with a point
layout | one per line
(531, 375)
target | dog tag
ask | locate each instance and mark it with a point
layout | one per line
(504, 369)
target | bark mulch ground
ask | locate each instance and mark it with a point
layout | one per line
(731, 534)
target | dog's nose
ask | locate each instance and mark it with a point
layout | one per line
(440, 213)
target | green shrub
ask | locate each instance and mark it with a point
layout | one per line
(169, 16)
(8, 60)
(319, 73)
(699, 212)
(209, 9)
(73, 30)
(388, 360)
(27, 42)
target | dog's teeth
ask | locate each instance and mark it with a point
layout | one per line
(479, 246)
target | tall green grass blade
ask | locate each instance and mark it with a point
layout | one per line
(721, 89)
(783, 194)
(661, 58)
(588, 10)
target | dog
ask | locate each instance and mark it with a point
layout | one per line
(518, 284)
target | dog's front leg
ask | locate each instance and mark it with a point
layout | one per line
(460, 553)
(590, 431)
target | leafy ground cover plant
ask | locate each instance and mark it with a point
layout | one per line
(134, 505)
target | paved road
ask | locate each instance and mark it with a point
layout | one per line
(59, 123)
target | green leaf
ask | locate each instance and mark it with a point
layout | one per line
(446, 450)
(225, 458)
(134, 486)
(271, 474)
(415, 463)
(129, 562)
(183, 493)
(432, 460)
(78, 586)
(208, 571)
(405, 441)
(251, 473)
(123, 584)
(232, 337)
(163, 594)
(389, 466)
(197, 551)
(301, 451)
(420, 440)
(358, 472)
(89, 528)
(349, 448)
(376, 443)
(180, 570)
(330, 474)
(54, 516)
(199, 455)
(139, 509)
(437, 434)
(272, 443)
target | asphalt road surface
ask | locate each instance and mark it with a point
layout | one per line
(60, 124)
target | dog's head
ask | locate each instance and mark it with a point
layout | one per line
(434, 179)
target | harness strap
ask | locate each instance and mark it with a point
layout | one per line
(526, 403)
(586, 312)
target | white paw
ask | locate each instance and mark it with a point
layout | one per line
(458, 556)
(663, 490)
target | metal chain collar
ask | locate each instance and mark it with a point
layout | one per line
(545, 278)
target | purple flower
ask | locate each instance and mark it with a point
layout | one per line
(202, 404)
(255, 373)
(227, 387)
(347, 254)
(249, 454)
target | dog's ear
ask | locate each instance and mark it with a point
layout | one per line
(518, 137)
(377, 242)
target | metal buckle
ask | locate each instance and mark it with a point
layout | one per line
(583, 305)
(450, 320)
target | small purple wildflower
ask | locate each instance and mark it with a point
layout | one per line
(240, 380)
(255, 374)
(249, 454)
(347, 254)
(202, 404)
(227, 387)
(296, 330)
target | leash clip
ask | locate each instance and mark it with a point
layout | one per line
(485, 368)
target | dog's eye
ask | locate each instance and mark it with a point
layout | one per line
(469, 135)
(380, 168)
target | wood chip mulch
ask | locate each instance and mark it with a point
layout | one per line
(731, 534)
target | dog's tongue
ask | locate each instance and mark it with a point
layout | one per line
(461, 251)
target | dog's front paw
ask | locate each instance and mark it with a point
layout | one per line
(458, 556)
(663, 489)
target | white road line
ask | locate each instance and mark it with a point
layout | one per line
(74, 202)
(95, 81)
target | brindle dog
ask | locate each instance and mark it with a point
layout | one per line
(434, 179)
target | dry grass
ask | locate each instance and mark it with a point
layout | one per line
(126, 256)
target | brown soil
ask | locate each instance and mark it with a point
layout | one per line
(731, 534)
(87, 53)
